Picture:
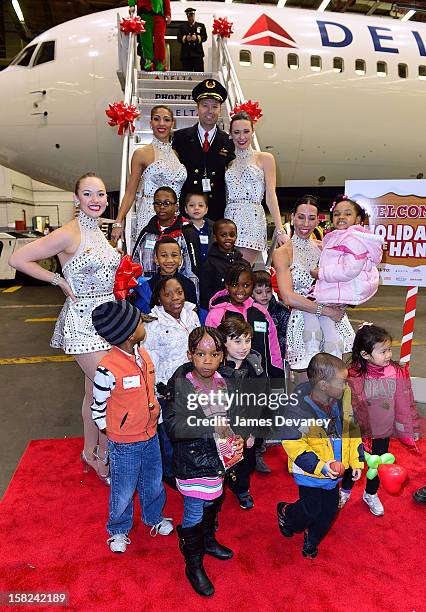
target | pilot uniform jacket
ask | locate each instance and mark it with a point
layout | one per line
(192, 52)
(213, 164)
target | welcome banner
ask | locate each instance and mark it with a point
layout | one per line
(397, 212)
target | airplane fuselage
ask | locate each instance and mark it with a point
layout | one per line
(342, 95)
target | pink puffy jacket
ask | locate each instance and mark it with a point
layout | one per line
(348, 266)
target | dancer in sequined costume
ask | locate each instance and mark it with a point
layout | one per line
(293, 263)
(154, 165)
(88, 264)
(248, 178)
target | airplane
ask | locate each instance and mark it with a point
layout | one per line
(342, 95)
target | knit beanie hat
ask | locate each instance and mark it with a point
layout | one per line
(116, 321)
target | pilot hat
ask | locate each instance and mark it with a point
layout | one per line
(209, 88)
(189, 10)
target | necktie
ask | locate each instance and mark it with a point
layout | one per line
(206, 144)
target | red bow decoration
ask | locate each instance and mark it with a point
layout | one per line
(251, 108)
(223, 27)
(125, 277)
(123, 115)
(132, 25)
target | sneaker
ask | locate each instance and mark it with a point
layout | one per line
(246, 501)
(309, 551)
(343, 498)
(282, 522)
(374, 503)
(164, 527)
(118, 542)
(261, 466)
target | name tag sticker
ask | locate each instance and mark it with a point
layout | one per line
(204, 239)
(259, 326)
(150, 244)
(206, 184)
(131, 382)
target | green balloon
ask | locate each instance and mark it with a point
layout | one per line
(371, 473)
(387, 458)
(373, 461)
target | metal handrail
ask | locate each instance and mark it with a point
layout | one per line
(129, 91)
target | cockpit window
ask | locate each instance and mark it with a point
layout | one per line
(46, 53)
(25, 57)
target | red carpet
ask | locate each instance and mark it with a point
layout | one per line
(52, 525)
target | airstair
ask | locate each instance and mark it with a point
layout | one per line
(146, 89)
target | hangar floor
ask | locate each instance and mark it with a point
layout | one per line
(42, 388)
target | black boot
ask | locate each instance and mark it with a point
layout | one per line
(191, 544)
(212, 546)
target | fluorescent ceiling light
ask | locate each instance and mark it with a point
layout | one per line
(281, 3)
(408, 15)
(323, 6)
(18, 10)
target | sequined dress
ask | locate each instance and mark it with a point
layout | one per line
(165, 171)
(306, 255)
(90, 273)
(245, 186)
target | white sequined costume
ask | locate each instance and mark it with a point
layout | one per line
(90, 273)
(245, 186)
(306, 256)
(165, 171)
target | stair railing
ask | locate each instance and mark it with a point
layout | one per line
(127, 53)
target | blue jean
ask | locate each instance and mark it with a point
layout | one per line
(193, 509)
(135, 466)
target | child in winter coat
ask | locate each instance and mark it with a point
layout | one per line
(325, 402)
(347, 273)
(125, 408)
(383, 403)
(197, 463)
(263, 295)
(236, 301)
(166, 343)
(168, 257)
(221, 255)
(240, 363)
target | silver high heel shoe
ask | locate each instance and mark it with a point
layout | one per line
(87, 464)
(105, 460)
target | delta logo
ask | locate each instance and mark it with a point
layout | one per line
(268, 33)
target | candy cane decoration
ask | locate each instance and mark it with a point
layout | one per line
(408, 329)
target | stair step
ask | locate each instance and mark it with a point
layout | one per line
(145, 85)
(163, 97)
(174, 75)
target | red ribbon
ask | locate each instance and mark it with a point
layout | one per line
(134, 25)
(123, 115)
(250, 107)
(125, 277)
(222, 27)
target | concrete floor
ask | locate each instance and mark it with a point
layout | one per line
(43, 399)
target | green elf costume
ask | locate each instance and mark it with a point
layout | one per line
(156, 14)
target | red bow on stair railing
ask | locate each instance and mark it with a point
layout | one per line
(134, 25)
(125, 277)
(222, 27)
(123, 115)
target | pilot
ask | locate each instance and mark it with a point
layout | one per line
(206, 150)
(191, 36)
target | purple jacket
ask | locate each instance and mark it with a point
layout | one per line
(348, 266)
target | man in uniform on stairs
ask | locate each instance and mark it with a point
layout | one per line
(205, 149)
(191, 36)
